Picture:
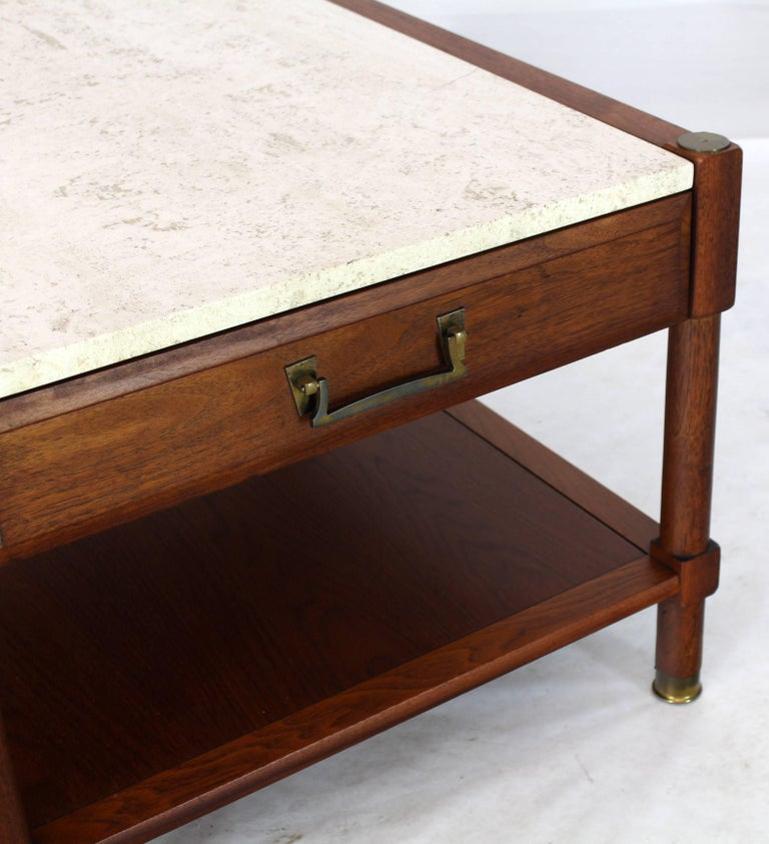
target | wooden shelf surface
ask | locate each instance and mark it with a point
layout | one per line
(157, 670)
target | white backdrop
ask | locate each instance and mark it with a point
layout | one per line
(574, 748)
(699, 65)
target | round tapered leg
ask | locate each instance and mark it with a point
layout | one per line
(679, 651)
(690, 411)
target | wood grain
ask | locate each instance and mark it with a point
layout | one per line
(687, 478)
(168, 684)
(690, 419)
(698, 577)
(231, 650)
(570, 481)
(211, 780)
(13, 824)
(261, 336)
(716, 223)
(680, 635)
(232, 611)
(85, 470)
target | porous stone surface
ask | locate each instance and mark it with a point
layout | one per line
(169, 170)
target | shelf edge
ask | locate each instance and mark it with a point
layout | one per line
(211, 780)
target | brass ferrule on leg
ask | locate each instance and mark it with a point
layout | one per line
(677, 689)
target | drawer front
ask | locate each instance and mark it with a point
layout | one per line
(110, 462)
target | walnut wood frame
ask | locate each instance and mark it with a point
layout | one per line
(680, 253)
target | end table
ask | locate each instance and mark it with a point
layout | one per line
(256, 265)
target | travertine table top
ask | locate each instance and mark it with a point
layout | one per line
(170, 169)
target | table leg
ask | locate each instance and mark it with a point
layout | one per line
(690, 412)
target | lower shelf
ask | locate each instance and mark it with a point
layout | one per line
(163, 668)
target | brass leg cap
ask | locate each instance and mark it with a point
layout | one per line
(677, 689)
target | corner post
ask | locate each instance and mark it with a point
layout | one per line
(690, 414)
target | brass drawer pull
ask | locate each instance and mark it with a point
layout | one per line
(310, 392)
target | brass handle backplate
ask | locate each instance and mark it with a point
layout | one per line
(310, 391)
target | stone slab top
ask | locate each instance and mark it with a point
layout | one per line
(173, 169)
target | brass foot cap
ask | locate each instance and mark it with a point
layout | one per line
(677, 689)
